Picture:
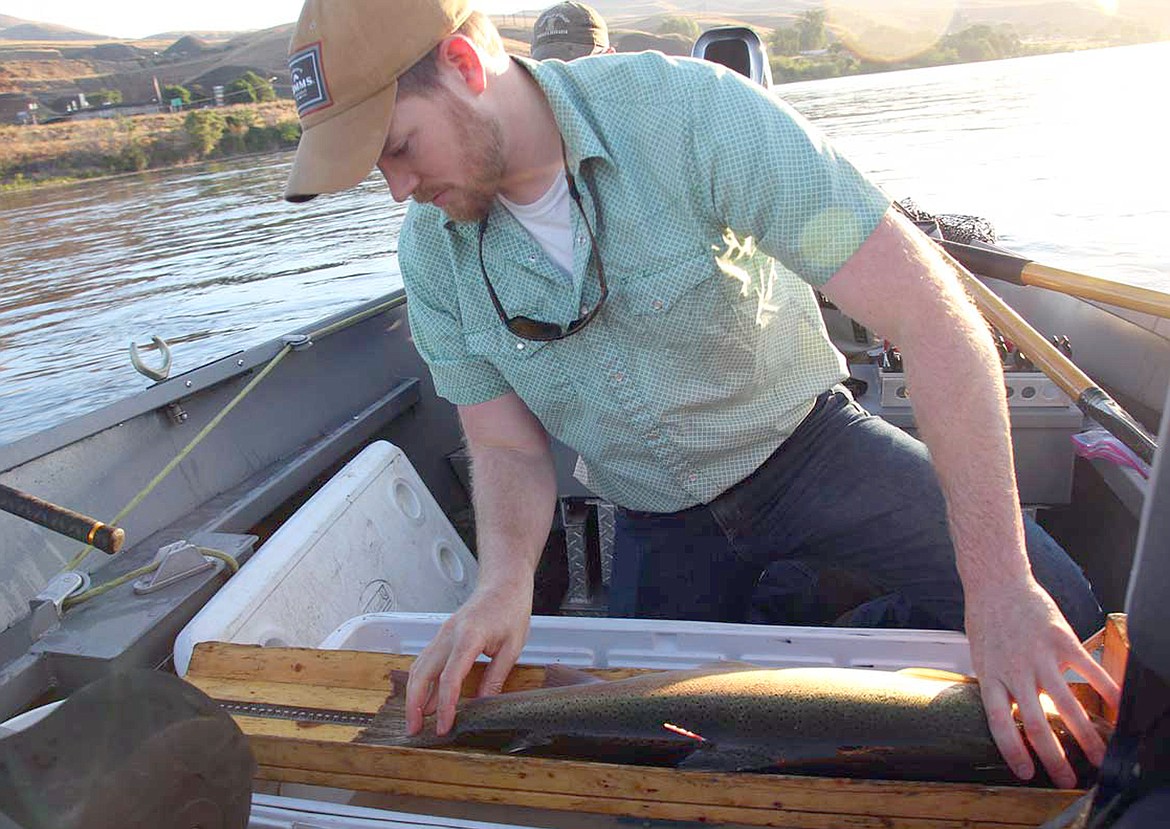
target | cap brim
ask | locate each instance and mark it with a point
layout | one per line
(338, 153)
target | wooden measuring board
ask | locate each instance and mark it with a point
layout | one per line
(352, 681)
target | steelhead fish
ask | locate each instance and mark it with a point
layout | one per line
(906, 725)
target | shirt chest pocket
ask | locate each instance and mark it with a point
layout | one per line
(501, 346)
(531, 368)
(521, 362)
(680, 304)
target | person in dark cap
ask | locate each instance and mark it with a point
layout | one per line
(568, 31)
(624, 254)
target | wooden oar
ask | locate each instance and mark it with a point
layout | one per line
(59, 519)
(1060, 369)
(1020, 271)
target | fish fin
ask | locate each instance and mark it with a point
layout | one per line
(398, 680)
(937, 673)
(388, 727)
(526, 741)
(709, 757)
(557, 675)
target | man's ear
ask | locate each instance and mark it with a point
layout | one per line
(460, 54)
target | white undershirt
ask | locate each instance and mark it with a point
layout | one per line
(547, 220)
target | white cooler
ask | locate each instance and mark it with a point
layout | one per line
(372, 539)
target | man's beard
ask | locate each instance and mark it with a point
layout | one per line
(483, 158)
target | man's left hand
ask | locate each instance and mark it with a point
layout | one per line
(1020, 646)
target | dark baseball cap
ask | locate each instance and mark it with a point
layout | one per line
(569, 30)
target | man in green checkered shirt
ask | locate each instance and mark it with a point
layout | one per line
(621, 252)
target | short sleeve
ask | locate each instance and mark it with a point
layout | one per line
(435, 321)
(774, 177)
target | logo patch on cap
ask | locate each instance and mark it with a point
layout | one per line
(308, 80)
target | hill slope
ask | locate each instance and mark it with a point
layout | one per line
(26, 30)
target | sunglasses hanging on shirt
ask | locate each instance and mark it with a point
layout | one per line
(527, 328)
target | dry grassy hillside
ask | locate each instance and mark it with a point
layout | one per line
(27, 66)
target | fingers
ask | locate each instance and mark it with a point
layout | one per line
(1070, 709)
(421, 686)
(997, 704)
(1085, 665)
(1044, 741)
(998, 698)
(451, 684)
(1077, 722)
(497, 671)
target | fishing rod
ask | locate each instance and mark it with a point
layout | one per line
(1018, 270)
(61, 520)
(1090, 398)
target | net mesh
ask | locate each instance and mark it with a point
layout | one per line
(954, 227)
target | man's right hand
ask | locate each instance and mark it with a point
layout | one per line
(514, 491)
(494, 622)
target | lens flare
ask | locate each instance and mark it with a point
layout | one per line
(889, 30)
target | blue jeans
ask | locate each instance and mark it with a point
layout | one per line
(846, 493)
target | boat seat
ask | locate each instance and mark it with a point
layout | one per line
(738, 48)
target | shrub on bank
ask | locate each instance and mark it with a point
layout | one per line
(205, 128)
(86, 149)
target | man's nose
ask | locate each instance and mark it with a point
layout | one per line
(402, 183)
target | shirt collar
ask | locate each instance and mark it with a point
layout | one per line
(555, 80)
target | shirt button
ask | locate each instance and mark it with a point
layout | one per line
(532, 257)
(519, 346)
(692, 477)
(584, 310)
(580, 240)
(652, 435)
(618, 377)
(657, 304)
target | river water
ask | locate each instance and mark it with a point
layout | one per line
(1065, 154)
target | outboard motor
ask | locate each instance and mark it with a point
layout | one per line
(738, 48)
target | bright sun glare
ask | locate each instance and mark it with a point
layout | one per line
(889, 30)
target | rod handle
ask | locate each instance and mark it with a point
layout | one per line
(61, 520)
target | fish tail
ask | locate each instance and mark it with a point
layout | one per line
(398, 681)
(389, 725)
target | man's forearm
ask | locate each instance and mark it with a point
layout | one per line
(514, 495)
(956, 385)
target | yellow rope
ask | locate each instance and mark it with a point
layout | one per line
(106, 587)
(195, 441)
(356, 318)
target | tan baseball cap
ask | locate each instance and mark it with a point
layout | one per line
(345, 58)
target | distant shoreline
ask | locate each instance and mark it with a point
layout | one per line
(49, 184)
(69, 152)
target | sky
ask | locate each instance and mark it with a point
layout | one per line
(134, 19)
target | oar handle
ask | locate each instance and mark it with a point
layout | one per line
(1105, 410)
(1009, 267)
(1001, 265)
(1075, 383)
(61, 520)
